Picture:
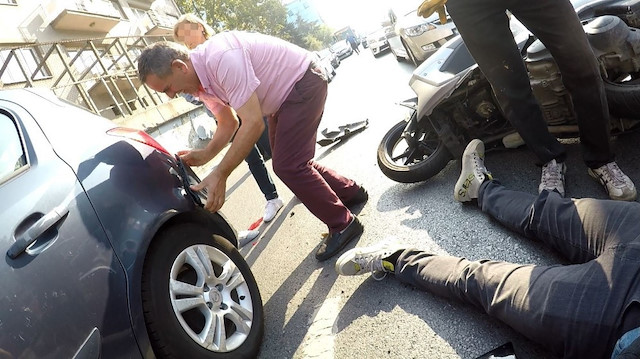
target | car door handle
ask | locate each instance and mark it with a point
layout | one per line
(35, 231)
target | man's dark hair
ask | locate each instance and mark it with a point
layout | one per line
(157, 58)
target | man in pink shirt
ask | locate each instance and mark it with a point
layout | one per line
(254, 75)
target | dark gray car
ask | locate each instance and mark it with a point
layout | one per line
(107, 252)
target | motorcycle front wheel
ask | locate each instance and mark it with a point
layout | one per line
(412, 156)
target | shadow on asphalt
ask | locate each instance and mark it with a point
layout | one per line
(444, 317)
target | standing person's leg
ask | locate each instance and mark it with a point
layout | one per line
(268, 188)
(346, 189)
(263, 143)
(293, 132)
(260, 174)
(484, 26)
(556, 24)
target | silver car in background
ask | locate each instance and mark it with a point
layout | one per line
(416, 38)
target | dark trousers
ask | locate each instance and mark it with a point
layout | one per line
(484, 26)
(255, 161)
(578, 310)
(292, 133)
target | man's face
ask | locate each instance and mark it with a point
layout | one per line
(182, 79)
(190, 34)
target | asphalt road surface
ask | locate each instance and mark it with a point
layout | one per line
(312, 313)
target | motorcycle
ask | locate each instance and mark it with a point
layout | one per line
(455, 102)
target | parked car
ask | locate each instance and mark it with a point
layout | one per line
(416, 38)
(333, 58)
(108, 253)
(325, 62)
(342, 49)
(378, 42)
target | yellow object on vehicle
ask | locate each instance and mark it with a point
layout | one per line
(428, 7)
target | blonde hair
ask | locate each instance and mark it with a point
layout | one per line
(192, 19)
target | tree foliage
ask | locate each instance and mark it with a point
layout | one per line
(264, 16)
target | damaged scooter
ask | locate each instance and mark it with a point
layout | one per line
(455, 102)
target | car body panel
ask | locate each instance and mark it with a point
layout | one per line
(38, 293)
(120, 194)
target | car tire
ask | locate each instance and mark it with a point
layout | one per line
(199, 296)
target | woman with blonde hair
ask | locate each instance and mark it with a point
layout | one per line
(193, 31)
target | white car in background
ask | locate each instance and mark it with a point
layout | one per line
(378, 42)
(342, 49)
(325, 62)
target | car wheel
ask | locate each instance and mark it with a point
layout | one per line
(200, 298)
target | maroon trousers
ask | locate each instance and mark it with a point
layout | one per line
(292, 132)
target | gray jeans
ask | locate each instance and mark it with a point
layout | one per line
(578, 310)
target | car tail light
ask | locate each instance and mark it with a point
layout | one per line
(137, 135)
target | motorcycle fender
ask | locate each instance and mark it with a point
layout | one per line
(433, 86)
(430, 96)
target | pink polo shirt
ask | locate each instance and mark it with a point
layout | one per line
(232, 65)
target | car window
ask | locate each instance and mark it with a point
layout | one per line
(12, 156)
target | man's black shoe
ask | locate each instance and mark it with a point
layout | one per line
(361, 197)
(336, 241)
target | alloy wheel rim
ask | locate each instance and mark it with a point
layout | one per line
(210, 298)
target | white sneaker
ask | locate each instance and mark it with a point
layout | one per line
(374, 259)
(271, 209)
(615, 182)
(473, 173)
(553, 177)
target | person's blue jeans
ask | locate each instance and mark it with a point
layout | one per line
(484, 27)
(255, 161)
(578, 310)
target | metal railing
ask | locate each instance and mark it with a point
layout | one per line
(99, 74)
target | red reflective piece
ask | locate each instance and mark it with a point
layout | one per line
(137, 135)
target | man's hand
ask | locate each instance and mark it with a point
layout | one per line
(216, 185)
(428, 7)
(195, 157)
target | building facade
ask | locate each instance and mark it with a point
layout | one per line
(303, 10)
(86, 52)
